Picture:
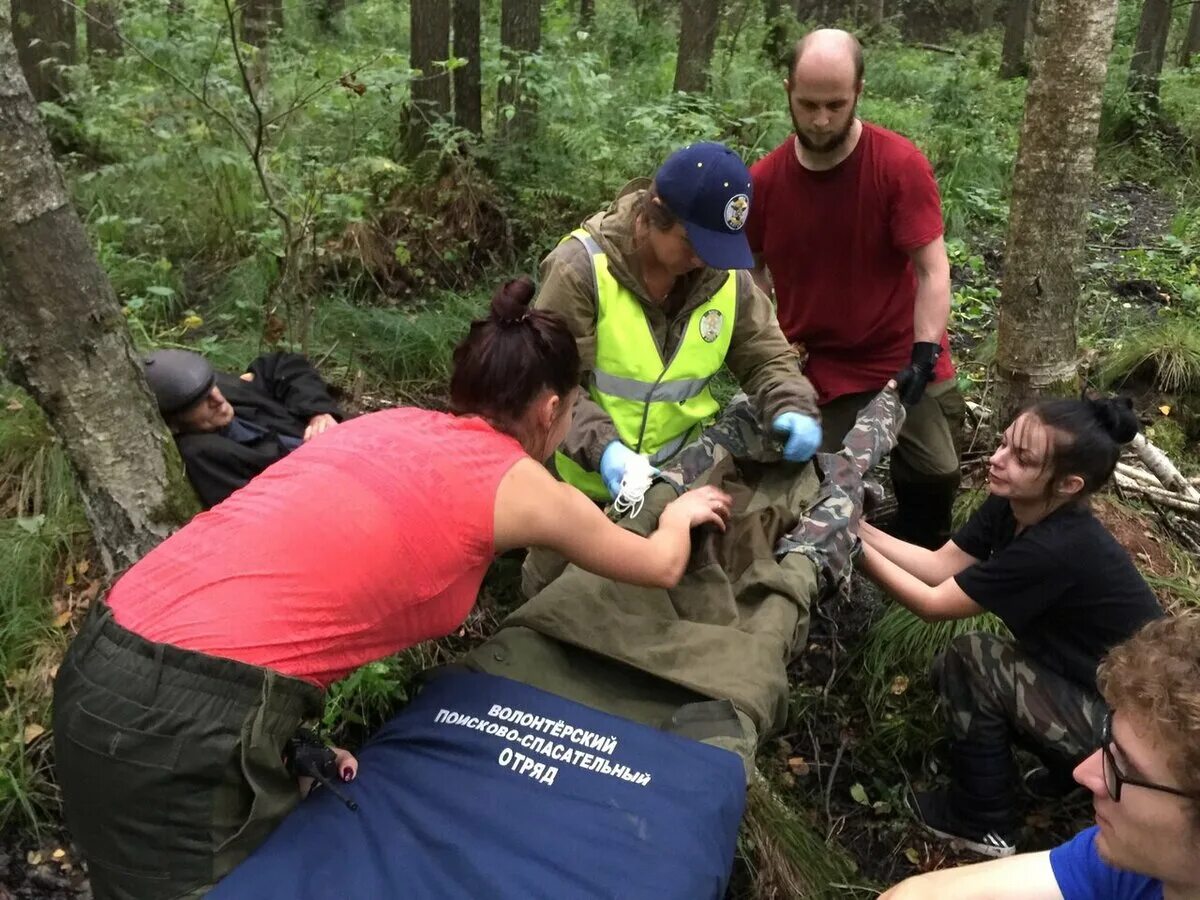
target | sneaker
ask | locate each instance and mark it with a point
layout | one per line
(932, 809)
(1042, 783)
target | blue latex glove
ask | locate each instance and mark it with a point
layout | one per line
(803, 435)
(615, 458)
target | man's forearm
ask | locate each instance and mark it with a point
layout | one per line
(932, 310)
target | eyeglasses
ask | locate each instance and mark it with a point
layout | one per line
(1115, 779)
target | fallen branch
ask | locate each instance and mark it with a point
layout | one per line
(1158, 495)
(1164, 470)
(1138, 474)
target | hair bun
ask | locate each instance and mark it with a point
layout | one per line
(1116, 416)
(510, 303)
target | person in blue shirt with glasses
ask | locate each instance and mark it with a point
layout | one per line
(1145, 786)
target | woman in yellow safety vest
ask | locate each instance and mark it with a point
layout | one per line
(657, 292)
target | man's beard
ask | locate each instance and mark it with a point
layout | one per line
(831, 143)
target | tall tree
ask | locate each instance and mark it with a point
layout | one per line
(429, 89)
(1013, 59)
(698, 23)
(776, 36)
(1145, 66)
(468, 100)
(1036, 349)
(44, 33)
(587, 14)
(102, 36)
(1191, 40)
(520, 35)
(68, 344)
(259, 19)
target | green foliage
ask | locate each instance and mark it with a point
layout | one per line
(41, 527)
(1167, 351)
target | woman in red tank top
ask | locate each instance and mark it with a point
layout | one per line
(176, 702)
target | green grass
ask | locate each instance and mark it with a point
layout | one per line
(1168, 351)
(41, 528)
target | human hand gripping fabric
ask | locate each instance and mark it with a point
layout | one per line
(911, 380)
(613, 462)
(803, 435)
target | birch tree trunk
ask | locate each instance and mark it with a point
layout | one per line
(698, 24)
(68, 344)
(1036, 343)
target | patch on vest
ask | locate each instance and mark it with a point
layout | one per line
(710, 325)
(735, 212)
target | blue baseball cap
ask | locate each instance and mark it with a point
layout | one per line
(708, 187)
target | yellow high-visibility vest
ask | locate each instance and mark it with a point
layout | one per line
(657, 405)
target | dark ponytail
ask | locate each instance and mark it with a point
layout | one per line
(1088, 434)
(508, 358)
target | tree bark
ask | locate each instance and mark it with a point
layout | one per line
(328, 13)
(429, 89)
(587, 14)
(1191, 41)
(468, 98)
(698, 24)
(1145, 66)
(102, 39)
(1014, 61)
(520, 34)
(776, 37)
(68, 344)
(257, 16)
(44, 34)
(1036, 350)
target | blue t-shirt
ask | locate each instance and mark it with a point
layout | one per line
(1083, 875)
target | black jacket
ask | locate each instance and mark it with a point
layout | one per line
(284, 395)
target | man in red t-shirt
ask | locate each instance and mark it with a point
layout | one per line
(848, 222)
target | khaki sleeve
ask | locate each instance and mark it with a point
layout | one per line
(762, 360)
(568, 288)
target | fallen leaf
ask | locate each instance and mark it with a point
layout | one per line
(61, 620)
(58, 854)
(899, 684)
(192, 321)
(859, 794)
(34, 857)
(83, 566)
(33, 731)
(1165, 410)
(798, 765)
(912, 856)
(15, 405)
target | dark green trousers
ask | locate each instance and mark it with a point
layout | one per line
(170, 761)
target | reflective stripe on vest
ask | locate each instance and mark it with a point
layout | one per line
(656, 406)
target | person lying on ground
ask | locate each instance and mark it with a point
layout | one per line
(174, 703)
(1036, 557)
(1145, 786)
(228, 428)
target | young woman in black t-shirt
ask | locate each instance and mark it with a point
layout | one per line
(1036, 556)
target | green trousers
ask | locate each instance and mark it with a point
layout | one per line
(170, 761)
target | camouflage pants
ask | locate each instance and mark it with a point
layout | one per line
(990, 687)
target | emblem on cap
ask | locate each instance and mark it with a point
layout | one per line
(710, 325)
(735, 212)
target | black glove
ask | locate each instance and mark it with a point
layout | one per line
(911, 381)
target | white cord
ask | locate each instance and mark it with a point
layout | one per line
(639, 475)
